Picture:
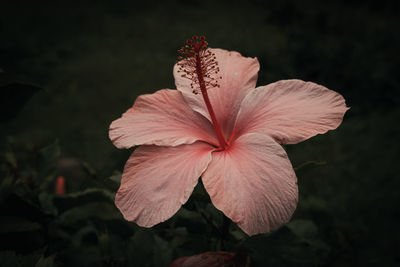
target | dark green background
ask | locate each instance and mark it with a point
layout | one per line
(93, 58)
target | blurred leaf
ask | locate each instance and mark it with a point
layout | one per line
(116, 177)
(193, 221)
(113, 182)
(177, 235)
(88, 168)
(285, 248)
(45, 262)
(10, 158)
(216, 215)
(51, 152)
(314, 203)
(162, 252)
(177, 231)
(80, 256)
(67, 201)
(16, 224)
(104, 244)
(303, 228)
(308, 165)
(238, 235)
(12, 259)
(6, 187)
(140, 249)
(46, 202)
(97, 210)
(23, 204)
(9, 258)
(13, 97)
(188, 215)
(196, 243)
(85, 236)
(200, 194)
(48, 157)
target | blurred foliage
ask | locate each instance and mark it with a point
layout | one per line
(84, 228)
(14, 95)
(94, 57)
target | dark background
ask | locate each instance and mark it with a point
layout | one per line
(91, 59)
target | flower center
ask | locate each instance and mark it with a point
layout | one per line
(199, 65)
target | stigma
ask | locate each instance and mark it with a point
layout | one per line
(198, 64)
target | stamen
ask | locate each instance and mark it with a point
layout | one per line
(199, 65)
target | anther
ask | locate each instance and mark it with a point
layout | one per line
(198, 63)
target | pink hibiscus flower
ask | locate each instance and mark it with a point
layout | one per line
(219, 126)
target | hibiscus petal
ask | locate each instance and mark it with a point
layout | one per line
(157, 181)
(253, 183)
(239, 75)
(162, 118)
(290, 111)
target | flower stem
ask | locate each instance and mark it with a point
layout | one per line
(204, 93)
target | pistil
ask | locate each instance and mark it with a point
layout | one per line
(204, 93)
(199, 65)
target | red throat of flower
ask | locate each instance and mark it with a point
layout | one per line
(198, 64)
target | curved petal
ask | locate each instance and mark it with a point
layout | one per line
(290, 111)
(162, 118)
(157, 181)
(239, 75)
(253, 183)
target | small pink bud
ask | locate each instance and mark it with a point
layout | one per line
(214, 259)
(60, 186)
